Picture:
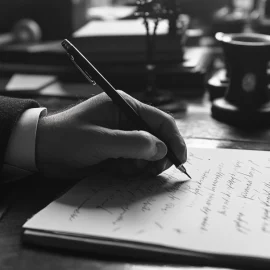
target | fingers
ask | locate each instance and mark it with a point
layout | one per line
(163, 124)
(132, 145)
(136, 167)
(137, 152)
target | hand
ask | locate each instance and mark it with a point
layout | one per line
(97, 132)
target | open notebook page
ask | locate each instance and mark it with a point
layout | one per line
(224, 209)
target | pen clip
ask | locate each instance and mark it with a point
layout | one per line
(89, 78)
(84, 72)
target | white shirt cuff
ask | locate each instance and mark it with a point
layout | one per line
(21, 149)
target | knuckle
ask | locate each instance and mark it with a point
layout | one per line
(131, 100)
(145, 139)
(121, 92)
(171, 119)
(124, 95)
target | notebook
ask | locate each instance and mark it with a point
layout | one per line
(219, 217)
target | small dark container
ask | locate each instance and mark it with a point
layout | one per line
(247, 96)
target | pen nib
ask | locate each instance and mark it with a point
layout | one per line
(187, 175)
(183, 170)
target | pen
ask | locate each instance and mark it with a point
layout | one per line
(96, 77)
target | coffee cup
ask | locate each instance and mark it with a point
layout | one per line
(246, 56)
(247, 98)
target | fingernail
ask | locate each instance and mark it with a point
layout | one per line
(161, 151)
(184, 156)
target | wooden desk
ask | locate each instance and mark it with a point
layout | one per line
(29, 196)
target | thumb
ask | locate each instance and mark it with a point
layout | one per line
(134, 144)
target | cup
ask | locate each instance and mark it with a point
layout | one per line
(246, 58)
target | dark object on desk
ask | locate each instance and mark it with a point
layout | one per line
(24, 31)
(125, 41)
(219, 82)
(154, 12)
(186, 77)
(57, 19)
(169, 10)
(246, 102)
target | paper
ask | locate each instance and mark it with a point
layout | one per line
(224, 209)
(110, 12)
(84, 90)
(29, 82)
(119, 28)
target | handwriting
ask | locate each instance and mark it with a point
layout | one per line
(140, 231)
(266, 221)
(225, 201)
(76, 211)
(167, 206)
(233, 190)
(246, 190)
(159, 225)
(241, 223)
(217, 177)
(206, 209)
(178, 230)
(147, 204)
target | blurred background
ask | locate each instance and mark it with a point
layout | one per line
(59, 18)
(112, 34)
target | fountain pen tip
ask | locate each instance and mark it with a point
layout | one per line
(183, 170)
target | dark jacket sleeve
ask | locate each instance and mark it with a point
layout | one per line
(10, 111)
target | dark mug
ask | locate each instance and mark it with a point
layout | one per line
(246, 57)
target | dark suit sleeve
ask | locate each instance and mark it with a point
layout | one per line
(10, 111)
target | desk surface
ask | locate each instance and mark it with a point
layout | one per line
(27, 197)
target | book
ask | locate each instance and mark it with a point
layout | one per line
(125, 40)
(186, 78)
(219, 217)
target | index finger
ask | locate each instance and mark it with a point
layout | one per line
(163, 125)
